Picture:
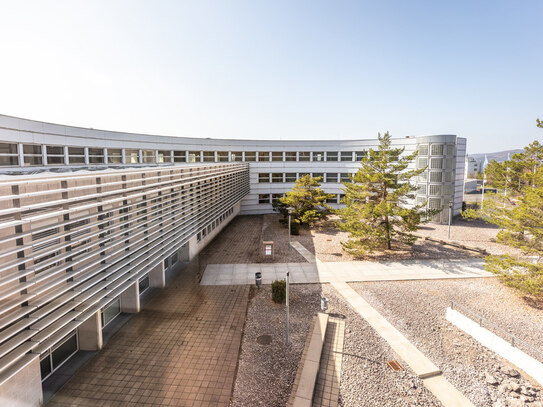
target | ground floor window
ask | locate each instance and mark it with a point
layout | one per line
(58, 354)
(143, 284)
(110, 311)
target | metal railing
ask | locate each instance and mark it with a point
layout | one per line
(512, 339)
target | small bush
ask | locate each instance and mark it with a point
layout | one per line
(279, 288)
(294, 228)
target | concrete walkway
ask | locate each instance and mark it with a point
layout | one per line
(417, 361)
(319, 272)
(180, 350)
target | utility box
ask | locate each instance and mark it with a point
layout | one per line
(267, 249)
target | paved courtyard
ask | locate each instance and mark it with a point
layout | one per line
(180, 350)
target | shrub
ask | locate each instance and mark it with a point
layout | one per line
(279, 289)
(294, 228)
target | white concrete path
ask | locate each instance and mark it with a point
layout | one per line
(320, 272)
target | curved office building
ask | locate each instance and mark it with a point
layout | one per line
(89, 219)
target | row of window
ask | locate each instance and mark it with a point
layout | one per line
(60, 155)
(207, 230)
(271, 198)
(279, 177)
(435, 190)
(436, 163)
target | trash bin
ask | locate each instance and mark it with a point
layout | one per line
(258, 279)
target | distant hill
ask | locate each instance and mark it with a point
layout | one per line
(500, 156)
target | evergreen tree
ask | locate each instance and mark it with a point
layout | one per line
(379, 201)
(306, 199)
(520, 217)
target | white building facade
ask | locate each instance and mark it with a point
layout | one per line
(89, 219)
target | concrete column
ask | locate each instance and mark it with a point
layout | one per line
(66, 156)
(20, 154)
(86, 150)
(106, 158)
(89, 333)
(23, 388)
(123, 155)
(157, 276)
(44, 154)
(130, 299)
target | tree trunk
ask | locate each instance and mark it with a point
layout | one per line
(387, 225)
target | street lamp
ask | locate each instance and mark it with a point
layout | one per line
(288, 316)
(450, 219)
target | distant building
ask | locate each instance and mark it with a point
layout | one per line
(473, 167)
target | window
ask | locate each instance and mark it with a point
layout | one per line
(341, 198)
(250, 156)
(448, 189)
(450, 149)
(175, 257)
(449, 163)
(164, 156)
(435, 190)
(263, 177)
(277, 156)
(345, 177)
(132, 156)
(204, 232)
(276, 197)
(290, 156)
(263, 156)
(277, 177)
(422, 162)
(198, 238)
(179, 156)
(263, 198)
(423, 149)
(53, 358)
(209, 156)
(8, 154)
(423, 176)
(331, 156)
(331, 177)
(332, 200)
(290, 177)
(436, 163)
(114, 156)
(449, 176)
(110, 311)
(437, 149)
(32, 154)
(194, 157)
(346, 156)
(436, 176)
(222, 156)
(143, 284)
(318, 156)
(359, 155)
(421, 189)
(304, 156)
(55, 155)
(236, 156)
(96, 156)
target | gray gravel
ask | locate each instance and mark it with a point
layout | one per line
(417, 309)
(366, 380)
(266, 372)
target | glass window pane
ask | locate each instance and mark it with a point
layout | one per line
(250, 156)
(264, 198)
(33, 160)
(236, 156)
(55, 150)
(331, 177)
(55, 160)
(194, 156)
(45, 365)
(222, 156)
(209, 156)
(331, 156)
(277, 156)
(64, 351)
(76, 160)
(346, 156)
(6, 148)
(263, 156)
(110, 312)
(143, 284)
(318, 156)
(290, 156)
(290, 177)
(264, 177)
(31, 149)
(9, 160)
(304, 156)
(277, 177)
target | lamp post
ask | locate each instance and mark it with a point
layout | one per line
(450, 219)
(286, 299)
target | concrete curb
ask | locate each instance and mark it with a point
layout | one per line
(308, 368)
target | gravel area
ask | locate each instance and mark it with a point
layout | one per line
(266, 373)
(366, 379)
(417, 309)
(475, 233)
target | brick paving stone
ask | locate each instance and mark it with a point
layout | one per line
(181, 350)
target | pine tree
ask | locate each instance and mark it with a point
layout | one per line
(520, 217)
(379, 201)
(307, 200)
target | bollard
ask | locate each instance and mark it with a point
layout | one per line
(258, 279)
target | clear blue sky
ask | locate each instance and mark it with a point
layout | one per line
(279, 69)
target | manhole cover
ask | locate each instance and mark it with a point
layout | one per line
(339, 316)
(394, 365)
(264, 339)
